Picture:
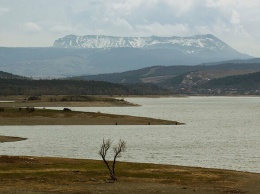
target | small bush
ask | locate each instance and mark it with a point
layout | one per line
(31, 98)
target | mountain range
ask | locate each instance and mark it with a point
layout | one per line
(191, 45)
(87, 55)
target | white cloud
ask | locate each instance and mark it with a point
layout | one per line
(221, 3)
(241, 32)
(235, 18)
(203, 29)
(179, 7)
(61, 29)
(32, 27)
(221, 27)
(231, 20)
(162, 29)
(4, 10)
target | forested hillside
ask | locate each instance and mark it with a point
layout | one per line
(4, 75)
(73, 87)
(167, 75)
(240, 82)
(153, 74)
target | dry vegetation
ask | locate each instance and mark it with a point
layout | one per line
(56, 175)
(21, 116)
(10, 139)
(63, 101)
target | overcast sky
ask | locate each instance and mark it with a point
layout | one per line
(38, 23)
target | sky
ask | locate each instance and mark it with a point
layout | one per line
(38, 23)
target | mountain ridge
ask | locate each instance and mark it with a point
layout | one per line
(191, 44)
(62, 61)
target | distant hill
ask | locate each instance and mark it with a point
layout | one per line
(248, 84)
(167, 75)
(74, 87)
(88, 55)
(153, 74)
(4, 75)
(236, 61)
(240, 82)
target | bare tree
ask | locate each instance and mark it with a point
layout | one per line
(121, 147)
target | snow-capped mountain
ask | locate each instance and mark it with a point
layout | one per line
(82, 55)
(190, 45)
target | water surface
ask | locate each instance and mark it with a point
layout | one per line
(220, 132)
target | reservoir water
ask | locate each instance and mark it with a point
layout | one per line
(219, 132)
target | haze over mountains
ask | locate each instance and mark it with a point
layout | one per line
(87, 55)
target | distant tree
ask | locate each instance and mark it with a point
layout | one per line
(121, 147)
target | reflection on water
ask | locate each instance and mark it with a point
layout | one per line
(220, 132)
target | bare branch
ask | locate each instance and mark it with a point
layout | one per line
(103, 152)
(121, 147)
(105, 147)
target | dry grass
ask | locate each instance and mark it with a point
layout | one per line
(14, 116)
(63, 101)
(10, 139)
(32, 174)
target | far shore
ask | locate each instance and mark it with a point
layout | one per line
(16, 110)
(23, 116)
(29, 174)
(63, 101)
(10, 139)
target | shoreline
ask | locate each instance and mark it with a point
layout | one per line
(21, 116)
(29, 174)
(67, 104)
(63, 101)
(4, 139)
(33, 174)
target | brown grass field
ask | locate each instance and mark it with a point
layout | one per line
(60, 175)
(63, 101)
(14, 116)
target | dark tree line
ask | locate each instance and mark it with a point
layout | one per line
(247, 81)
(73, 87)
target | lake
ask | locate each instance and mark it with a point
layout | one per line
(219, 132)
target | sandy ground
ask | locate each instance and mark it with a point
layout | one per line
(59, 175)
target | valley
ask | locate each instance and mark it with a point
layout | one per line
(135, 97)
